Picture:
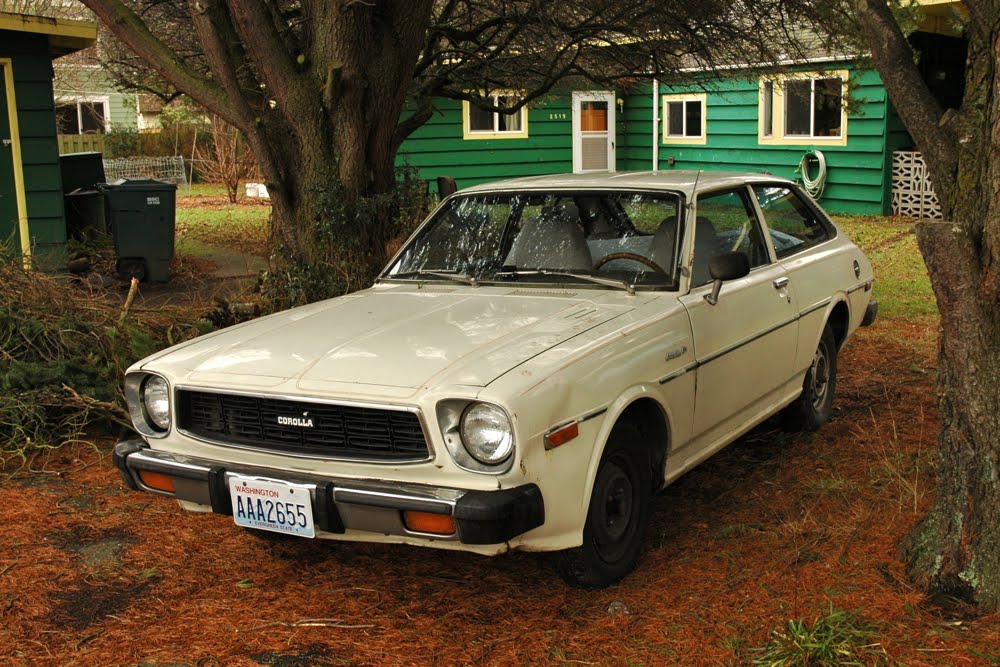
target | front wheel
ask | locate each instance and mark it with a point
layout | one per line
(617, 516)
(814, 405)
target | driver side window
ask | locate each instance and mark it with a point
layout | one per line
(725, 222)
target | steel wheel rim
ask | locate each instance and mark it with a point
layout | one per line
(616, 511)
(819, 383)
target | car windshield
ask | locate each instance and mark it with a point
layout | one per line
(598, 238)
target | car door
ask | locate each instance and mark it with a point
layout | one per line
(799, 234)
(745, 344)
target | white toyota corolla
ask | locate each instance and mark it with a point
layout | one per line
(539, 358)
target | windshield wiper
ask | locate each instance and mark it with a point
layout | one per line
(610, 282)
(457, 277)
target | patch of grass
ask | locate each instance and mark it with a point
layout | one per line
(839, 638)
(242, 228)
(824, 485)
(202, 190)
(902, 286)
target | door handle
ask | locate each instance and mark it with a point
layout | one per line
(780, 282)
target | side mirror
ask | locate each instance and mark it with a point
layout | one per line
(726, 266)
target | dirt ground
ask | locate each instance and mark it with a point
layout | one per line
(775, 527)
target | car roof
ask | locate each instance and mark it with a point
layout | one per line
(686, 182)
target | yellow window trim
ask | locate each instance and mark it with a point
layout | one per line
(685, 141)
(15, 143)
(778, 111)
(469, 134)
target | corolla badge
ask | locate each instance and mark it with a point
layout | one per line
(302, 422)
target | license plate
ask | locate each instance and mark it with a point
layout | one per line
(270, 504)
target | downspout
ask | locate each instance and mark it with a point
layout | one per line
(656, 125)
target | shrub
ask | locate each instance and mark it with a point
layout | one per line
(350, 243)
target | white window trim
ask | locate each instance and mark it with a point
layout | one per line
(468, 133)
(103, 100)
(778, 136)
(702, 138)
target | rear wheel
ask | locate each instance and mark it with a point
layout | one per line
(814, 405)
(617, 516)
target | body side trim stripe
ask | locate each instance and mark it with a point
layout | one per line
(747, 341)
(732, 348)
(815, 307)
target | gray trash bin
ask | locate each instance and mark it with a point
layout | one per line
(142, 215)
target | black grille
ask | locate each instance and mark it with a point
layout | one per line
(337, 431)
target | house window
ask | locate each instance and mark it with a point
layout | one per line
(81, 117)
(767, 108)
(812, 107)
(803, 109)
(684, 119)
(482, 124)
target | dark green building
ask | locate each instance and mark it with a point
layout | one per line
(32, 220)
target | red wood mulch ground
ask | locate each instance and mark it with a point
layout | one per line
(775, 527)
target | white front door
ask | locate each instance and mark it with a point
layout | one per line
(593, 132)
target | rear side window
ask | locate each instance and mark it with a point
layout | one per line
(794, 225)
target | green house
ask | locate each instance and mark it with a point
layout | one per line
(737, 120)
(32, 221)
(729, 124)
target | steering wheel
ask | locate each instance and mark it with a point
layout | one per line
(628, 255)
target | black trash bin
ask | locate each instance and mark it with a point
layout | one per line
(142, 219)
(85, 218)
(81, 171)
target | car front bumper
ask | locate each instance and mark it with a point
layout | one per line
(341, 505)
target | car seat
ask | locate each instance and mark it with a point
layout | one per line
(552, 240)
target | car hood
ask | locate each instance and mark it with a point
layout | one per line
(393, 336)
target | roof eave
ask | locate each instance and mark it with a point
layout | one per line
(64, 35)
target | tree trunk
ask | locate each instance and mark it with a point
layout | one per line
(955, 550)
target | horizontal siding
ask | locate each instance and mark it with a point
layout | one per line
(857, 177)
(39, 152)
(438, 148)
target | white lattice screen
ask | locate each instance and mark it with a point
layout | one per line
(912, 192)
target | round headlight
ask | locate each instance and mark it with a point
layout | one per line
(487, 434)
(156, 400)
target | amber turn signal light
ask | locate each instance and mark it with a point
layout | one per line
(562, 435)
(425, 522)
(157, 480)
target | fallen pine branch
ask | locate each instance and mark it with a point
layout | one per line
(310, 623)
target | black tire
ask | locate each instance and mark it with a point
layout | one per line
(617, 516)
(814, 405)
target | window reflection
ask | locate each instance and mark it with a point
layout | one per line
(631, 236)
